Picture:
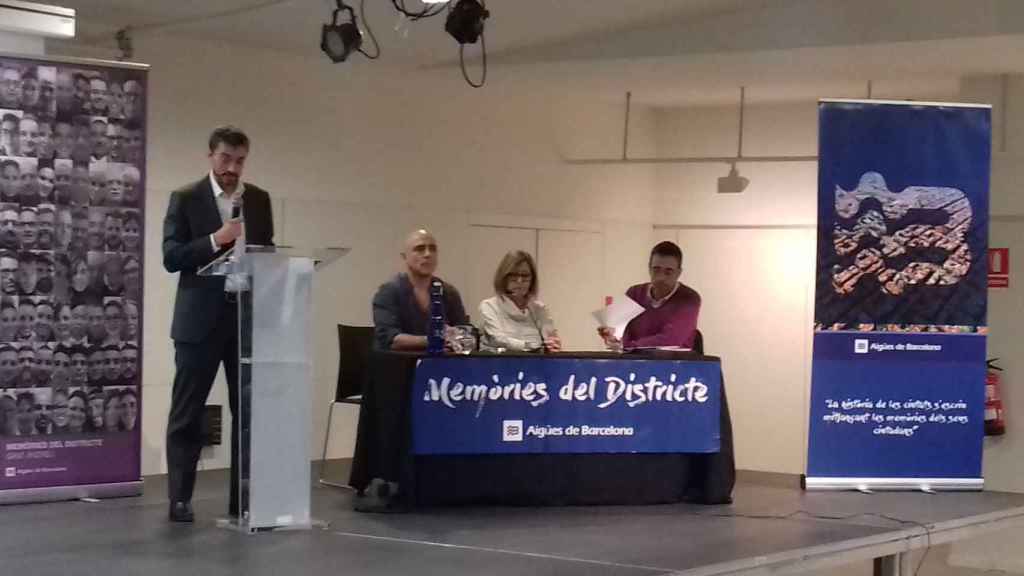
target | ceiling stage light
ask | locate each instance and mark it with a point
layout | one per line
(340, 40)
(466, 21)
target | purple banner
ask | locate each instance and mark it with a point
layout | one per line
(72, 214)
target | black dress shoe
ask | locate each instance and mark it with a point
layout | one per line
(379, 496)
(181, 512)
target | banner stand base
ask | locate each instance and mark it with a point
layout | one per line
(61, 493)
(810, 483)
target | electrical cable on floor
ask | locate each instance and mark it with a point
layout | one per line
(816, 516)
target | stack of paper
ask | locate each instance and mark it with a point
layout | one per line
(618, 314)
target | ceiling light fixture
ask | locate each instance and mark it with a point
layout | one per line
(340, 40)
(465, 23)
(734, 183)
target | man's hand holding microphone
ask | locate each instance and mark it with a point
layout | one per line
(232, 229)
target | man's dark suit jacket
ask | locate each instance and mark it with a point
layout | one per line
(192, 215)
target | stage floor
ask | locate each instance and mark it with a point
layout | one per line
(769, 528)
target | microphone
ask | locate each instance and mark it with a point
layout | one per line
(540, 331)
(237, 214)
(533, 320)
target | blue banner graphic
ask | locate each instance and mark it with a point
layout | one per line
(901, 295)
(565, 405)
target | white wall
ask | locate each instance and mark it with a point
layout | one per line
(757, 291)
(21, 44)
(355, 156)
(751, 256)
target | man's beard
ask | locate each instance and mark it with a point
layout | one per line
(222, 180)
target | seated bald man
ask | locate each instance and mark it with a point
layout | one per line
(401, 307)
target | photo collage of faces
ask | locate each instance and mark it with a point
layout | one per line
(71, 204)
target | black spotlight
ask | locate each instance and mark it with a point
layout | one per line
(339, 41)
(466, 21)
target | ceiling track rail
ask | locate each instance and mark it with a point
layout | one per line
(730, 160)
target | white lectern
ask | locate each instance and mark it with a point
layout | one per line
(275, 380)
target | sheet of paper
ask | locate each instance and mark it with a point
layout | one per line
(617, 314)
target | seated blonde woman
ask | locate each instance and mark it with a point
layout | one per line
(514, 319)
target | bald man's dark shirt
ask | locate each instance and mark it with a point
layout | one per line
(395, 311)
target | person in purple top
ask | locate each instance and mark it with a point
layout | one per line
(671, 307)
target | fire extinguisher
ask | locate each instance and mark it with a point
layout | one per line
(995, 425)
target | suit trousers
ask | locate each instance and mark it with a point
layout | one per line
(196, 368)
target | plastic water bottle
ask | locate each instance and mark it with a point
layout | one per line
(435, 337)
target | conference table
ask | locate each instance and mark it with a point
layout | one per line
(384, 450)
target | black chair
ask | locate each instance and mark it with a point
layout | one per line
(698, 343)
(354, 345)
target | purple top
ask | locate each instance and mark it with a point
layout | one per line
(674, 323)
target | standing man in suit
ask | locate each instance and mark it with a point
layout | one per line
(199, 226)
